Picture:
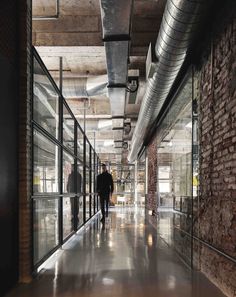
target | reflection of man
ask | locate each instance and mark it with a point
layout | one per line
(105, 189)
(72, 189)
(71, 182)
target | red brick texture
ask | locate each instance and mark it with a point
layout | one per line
(25, 244)
(151, 198)
(217, 209)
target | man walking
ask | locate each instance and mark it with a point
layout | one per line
(104, 189)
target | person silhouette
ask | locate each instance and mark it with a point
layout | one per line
(105, 189)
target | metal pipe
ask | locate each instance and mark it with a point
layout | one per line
(61, 73)
(179, 26)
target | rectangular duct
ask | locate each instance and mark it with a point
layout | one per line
(117, 123)
(118, 135)
(117, 101)
(117, 59)
(116, 18)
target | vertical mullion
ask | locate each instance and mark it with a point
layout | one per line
(60, 155)
(84, 181)
(61, 170)
(32, 160)
(90, 183)
(75, 199)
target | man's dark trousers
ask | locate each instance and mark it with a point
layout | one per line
(104, 200)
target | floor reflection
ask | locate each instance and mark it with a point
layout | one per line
(125, 256)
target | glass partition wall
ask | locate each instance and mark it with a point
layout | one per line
(65, 167)
(175, 168)
(124, 184)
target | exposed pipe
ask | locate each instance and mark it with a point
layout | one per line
(179, 26)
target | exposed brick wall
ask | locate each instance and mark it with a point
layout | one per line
(217, 209)
(8, 145)
(151, 198)
(25, 232)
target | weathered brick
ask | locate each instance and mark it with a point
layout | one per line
(151, 200)
(217, 206)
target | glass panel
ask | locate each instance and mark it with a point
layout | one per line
(70, 177)
(87, 153)
(80, 210)
(45, 227)
(92, 159)
(124, 183)
(68, 173)
(175, 170)
(95, 203)
(45, 175)
(87, 181)
(120, 172)
(164, 186)
(68, 129)
(92, 205)
(45, 102)
(87, 207)
(79, 177)
(80, 144)
(92, 182)
(68, 211)
(164, 172)
(140, 186)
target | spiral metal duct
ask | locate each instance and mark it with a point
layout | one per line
(179, 26)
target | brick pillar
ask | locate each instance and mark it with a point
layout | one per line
(151, 198)
(25, 230)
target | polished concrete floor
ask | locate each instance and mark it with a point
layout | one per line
(124, 257)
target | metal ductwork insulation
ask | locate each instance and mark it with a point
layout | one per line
(77, 87)
(179, 26)
(116, 17)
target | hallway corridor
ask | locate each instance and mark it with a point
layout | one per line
(125, 257)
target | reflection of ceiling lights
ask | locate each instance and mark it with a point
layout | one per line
(108, 142)
(108, 281)
(170, 143)
(104, 124)
(189, 125)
